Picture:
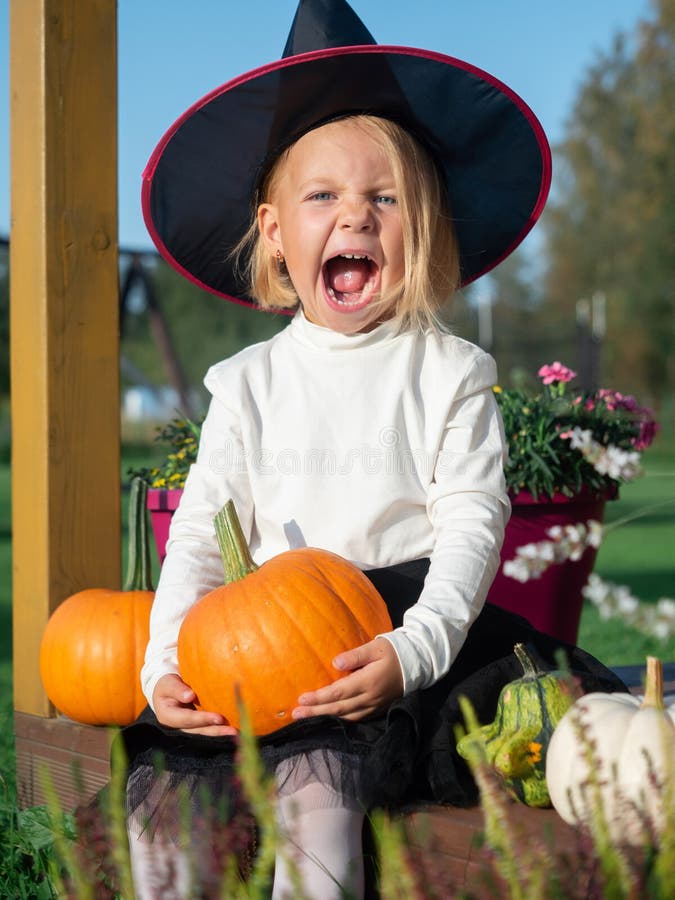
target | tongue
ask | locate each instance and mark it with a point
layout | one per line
(347, 276)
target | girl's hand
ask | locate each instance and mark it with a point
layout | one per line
(174, 701)
(374, 681)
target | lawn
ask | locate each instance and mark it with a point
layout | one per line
(638, 554)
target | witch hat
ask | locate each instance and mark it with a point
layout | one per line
(199, 187)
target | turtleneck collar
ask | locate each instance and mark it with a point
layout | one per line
(317, 337)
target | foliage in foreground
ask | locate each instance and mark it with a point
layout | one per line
(85, 856)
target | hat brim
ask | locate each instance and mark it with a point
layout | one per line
(200, 181)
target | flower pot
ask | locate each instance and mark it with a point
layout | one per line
(162, 502)
(553, 602)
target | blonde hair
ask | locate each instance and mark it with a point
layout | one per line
(431, 255)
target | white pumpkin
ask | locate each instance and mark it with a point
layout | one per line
(629, 742)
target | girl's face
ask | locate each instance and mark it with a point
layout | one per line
(336, 221)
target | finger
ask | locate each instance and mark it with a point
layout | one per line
(194, 721)
(342, 698)
(348, 708)
(358, 657)
(176, 716)
(172, 687)
(346, 686)
(214, 731)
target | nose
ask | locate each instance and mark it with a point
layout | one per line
(356, 214)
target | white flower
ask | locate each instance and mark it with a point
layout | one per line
(665, 606)
(516, 568)
(528, 551)
(580, 439)
(621, 465)
(547, 552)
(595, 533)
(596, 589)
(576, 533)
(617, 601)
(568, 542)
(626, 602)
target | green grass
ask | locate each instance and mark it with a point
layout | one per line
(639, 554)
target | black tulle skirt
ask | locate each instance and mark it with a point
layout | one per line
(396, 761)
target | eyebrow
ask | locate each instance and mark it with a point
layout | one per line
(327, 181)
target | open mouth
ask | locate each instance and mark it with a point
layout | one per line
(350, 280)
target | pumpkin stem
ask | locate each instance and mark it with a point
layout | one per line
(530, 669)
(237, 559)
(139, 569)
(653, 684)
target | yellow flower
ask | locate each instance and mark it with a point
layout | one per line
(159, 482)
(534, 756)
(497, 389)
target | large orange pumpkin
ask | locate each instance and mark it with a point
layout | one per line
(94, 643)
(272, 632)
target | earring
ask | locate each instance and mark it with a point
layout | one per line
(280, 258)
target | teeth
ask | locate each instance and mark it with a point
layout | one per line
(352, 256)
(342, 300)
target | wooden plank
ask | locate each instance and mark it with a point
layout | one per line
(446, 843)
(452, 831)
(74, 757)
(64, 316)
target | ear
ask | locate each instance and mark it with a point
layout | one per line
(268, 226)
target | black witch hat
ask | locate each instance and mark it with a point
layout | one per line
(199, 187)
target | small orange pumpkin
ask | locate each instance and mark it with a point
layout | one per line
(271, 632)
(94, 643)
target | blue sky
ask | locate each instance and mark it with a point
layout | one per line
(171, 52)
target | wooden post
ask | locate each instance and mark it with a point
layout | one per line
(64, 316)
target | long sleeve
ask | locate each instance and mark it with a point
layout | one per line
(468, 509)
(192, 566)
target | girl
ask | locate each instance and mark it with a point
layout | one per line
(363, 428)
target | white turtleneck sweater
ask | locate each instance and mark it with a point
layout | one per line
(383, 447)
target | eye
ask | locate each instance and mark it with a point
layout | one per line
(322, 195)
(384, 200)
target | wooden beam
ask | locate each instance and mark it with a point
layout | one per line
(64, 316)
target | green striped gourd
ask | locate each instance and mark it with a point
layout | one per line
(516, 742)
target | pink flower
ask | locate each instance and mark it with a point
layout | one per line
(616, 400)
(555, 372)
(648, 429)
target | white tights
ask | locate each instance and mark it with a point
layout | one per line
(320, 845)
(321, 841)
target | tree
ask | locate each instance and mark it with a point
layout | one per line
(519, 335)
(610, 226)
(4, 320)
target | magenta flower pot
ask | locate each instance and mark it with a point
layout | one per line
(553, 602)
(161, 503)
